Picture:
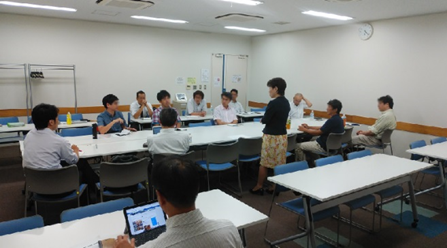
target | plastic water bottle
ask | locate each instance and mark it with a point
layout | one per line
(344, 119)
(212, 110)
(312, 115)
(69, 118)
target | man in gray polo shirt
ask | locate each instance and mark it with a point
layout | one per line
(177, 185)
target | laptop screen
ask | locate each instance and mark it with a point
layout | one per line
(145, 217)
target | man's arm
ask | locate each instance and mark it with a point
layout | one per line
(308, 103)
(69, 154)
(366, 133)
(310, 130)
(106, 128)
(149, 109)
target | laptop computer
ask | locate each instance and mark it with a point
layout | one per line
(145, 222)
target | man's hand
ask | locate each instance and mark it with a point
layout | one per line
(123, 242)
(75, 148)
(121, 121)
(305, 125)
(132, 129)
(359, 132)
(302, 128)
(144, 103)
(203, 113)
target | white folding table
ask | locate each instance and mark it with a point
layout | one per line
(439, 152)
(214, 204)
(348, 180)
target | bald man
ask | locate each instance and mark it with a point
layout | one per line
(298, 105)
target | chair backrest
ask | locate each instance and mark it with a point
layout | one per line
(334, 141)
(19, 225)
(156, 130)
(386, 136)
(6, 120)
(213, 122)
(30, 120)
(257, 109)
(291, 142)
(288, 168)
(96, 209)
(119, 175)
(53, 181)
(158, 157)
(250, 147)
(328, 160)
(438, 140)
(417, 144)
(71, 132)
(222, 153)
(74, 117)
(257, 119)
(347, 137)
(201, 124)
(359, 154)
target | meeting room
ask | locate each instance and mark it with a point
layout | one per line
(223, 123)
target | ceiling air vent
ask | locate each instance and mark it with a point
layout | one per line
(236, 17)
(130, 4)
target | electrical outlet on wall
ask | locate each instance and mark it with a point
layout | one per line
(204, 86)
(200, 86)
(194, 87)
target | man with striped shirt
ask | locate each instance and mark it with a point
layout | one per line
(177, 185)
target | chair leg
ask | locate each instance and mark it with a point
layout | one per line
(401, 204)
(239, 177)
(391, 148)
(208, 178)
(270, 212)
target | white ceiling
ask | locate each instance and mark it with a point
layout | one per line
(201, 13)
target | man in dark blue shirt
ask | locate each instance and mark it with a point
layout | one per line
(111, 120)
(333, 125)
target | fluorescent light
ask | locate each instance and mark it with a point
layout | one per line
(327, 15)
(158, 19)
(36, 6)
(245, 29)
(246, 2)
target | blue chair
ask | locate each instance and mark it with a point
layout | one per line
(96, 209)
(74, 117)
(156, 130)
(328, 160)
(119, 180)
(201, 124)
(257, 119)
(213, 122)
(20, 225)
(42, 184)
(250, 149)
(297, 205)
(5, 120)
(30, 120)
(72, 132)
(438, 140)
(258, 109)
(360, 154)
(219, 157)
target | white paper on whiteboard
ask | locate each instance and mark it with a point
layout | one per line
(205, 75)
(180, 80)
(217, 82)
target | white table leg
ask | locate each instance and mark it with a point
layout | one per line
(309, 221)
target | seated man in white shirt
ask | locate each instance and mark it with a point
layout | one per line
(387, 120)
(197, 104)
(224, 114)
(298, 105)
(168, 141)
(177, 182)
(237, 106)
(140, 108)
(44, 149)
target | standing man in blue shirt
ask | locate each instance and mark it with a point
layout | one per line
(111, 120)
(332, 125)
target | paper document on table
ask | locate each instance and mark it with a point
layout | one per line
(124, 132)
